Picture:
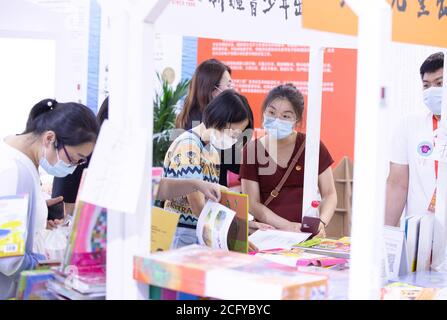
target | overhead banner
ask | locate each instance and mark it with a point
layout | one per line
(329, 16)
(420, 22)
(273, 21)
(258, 67)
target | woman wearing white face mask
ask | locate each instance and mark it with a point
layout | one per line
(58, 136)
(266, 160)
(194, 155)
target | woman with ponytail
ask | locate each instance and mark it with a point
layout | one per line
(58, 137)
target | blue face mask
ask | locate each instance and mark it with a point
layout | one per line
(278, 128)
(59, 170)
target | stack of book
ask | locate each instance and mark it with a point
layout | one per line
(33, 285)
(339, 248)
(207, 272)
(71, 286)
(299, 257)
(82, 273)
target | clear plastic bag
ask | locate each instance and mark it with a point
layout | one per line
(51, 243)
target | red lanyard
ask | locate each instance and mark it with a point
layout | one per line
(435, 127)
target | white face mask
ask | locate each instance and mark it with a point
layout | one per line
(432, 99)
(223, 142)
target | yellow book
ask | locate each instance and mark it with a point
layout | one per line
(164, 224)
(13, 220)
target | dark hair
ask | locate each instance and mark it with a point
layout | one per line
(228, 107)
(288, 92)
(433, 63)
(73, 123)
(203, 83)
(103, 112)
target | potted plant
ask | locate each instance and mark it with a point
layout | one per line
(165, 106)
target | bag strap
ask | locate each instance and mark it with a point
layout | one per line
(275, 192)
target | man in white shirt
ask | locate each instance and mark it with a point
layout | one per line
(411, 181)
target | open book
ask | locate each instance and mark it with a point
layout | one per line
(214, 224)
(277, 239)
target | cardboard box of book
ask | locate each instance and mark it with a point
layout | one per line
(222, 274)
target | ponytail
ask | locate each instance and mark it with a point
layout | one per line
(73, 123)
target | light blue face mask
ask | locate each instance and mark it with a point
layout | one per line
(278, 128)
(59, 170)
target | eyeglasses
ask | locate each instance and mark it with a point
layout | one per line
(72, 163)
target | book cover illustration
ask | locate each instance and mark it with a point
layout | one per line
(332, 247)
(13, 225)
(405, 291)
(88, 239)
(33, 285)
(214, 224)
(238, 233)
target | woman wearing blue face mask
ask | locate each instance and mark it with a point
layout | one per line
(266, 160)
(58, 137)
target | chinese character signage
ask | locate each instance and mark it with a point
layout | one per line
(258, 67)
(330, 16)
(420, 22)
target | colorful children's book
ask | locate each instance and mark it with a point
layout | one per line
(238, 233)
(214, 224)
(298, 257)
(404, 291)
(87, 246)
(330, 247)
(33, 285)
(13, 225)
(220, 274)
(164, 224)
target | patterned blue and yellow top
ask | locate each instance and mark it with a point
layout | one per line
(189, 157)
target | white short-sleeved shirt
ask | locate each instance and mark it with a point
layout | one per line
(412, 143)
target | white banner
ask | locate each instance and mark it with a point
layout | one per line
(274, 21)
